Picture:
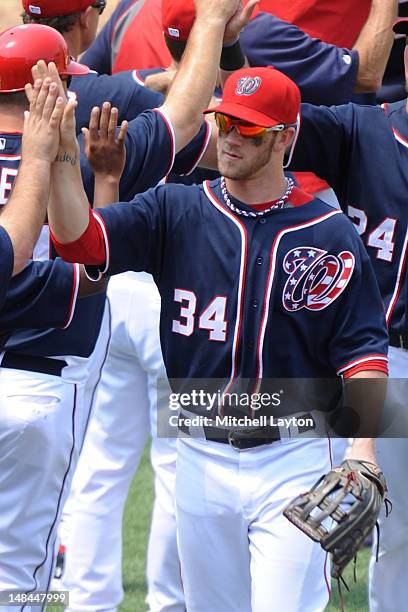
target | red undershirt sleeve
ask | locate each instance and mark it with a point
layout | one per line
(89, 249)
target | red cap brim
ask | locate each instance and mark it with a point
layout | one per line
(401, 26)
(242, 112)
(76, 69)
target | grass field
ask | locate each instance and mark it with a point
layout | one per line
(137, 519)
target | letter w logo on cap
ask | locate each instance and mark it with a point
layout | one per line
(248, 86)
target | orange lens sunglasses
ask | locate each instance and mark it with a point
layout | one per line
(245, 129)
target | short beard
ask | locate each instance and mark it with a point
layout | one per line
(246, 169)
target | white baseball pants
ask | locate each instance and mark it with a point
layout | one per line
(238, 552)
(388, 584)
(42, 423)
(124, 414)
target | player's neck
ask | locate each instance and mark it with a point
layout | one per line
(267, 187)
(73, 40)
(11, 120)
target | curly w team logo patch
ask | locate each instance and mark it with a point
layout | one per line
(316, 278)
(248, 86)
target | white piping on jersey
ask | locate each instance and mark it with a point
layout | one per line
(401, 266)
(137, 78)
(101, 222)
(9, 157)
(204, 148)
(172, 136)
(73, 297)
(242, 273)
(352, 364)
(271, 278)
(400, 138)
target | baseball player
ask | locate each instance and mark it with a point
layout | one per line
(236, 262)
(77, 21)
(362, 153)
(124, 90)
(326, 74)
(34, 462)
(357, 63)
(90, 558)
(66, 364)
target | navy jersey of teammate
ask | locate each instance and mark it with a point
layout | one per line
(99, 55)
(6, 263)
(325, 73)
(258, 301)
(362, 152)
(144, 168)
(122, 90)
(31, 292)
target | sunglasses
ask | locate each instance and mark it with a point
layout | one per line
(245, 129)
(100, 5)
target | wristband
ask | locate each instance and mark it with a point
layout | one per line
(232, 57)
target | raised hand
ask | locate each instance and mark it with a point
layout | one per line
(41, 137)
(217, 9)
(104, 146)
(238, 21)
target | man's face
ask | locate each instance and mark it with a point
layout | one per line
(241, 158)
(92, 27)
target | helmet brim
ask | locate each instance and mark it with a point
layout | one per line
(76, 69)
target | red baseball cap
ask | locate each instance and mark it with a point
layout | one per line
(401, 26)
(55, 8)
(263, 96)
(178, 17)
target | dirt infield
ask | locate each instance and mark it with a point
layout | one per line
(10, 12)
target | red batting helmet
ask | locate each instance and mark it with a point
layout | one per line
(22, 46)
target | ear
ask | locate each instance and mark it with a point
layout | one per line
(284, 139)
(85, 18)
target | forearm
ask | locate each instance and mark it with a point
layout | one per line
(362, 449)
(24, 214)
(106, 190)
(365, 395)
(68, 207)
(374, 44)
(195, 81)
(87, 287)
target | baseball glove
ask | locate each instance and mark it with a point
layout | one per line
(364, 486)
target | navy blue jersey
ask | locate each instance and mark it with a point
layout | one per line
(244, 297)
(99, 55)
(6, 263)
(123, 90)
(44, 294)
(325, 74)
(362, 152)
(150, 154)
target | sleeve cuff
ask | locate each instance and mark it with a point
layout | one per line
(92, 248)
(378, 363)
